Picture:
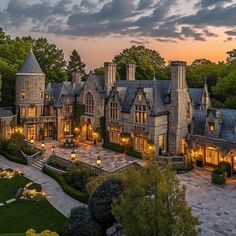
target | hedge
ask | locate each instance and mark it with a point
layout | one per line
(218, 177)
(20, 160)
(82, 197)
(118, 148)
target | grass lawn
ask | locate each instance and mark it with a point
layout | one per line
(9, 187)
(19, 216)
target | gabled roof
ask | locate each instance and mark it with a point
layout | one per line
(228, 119)
(155, 92)
(30, 65)
(196, 95)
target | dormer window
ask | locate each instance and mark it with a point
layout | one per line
(23, 95)
(113, 110)
(140, 114)
(46, 96)
(211, 126)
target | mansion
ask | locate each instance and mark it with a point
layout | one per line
(157, 116)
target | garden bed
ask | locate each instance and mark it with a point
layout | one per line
(182, 168)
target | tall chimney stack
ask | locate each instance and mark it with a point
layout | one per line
(109, 75)
(130, 71)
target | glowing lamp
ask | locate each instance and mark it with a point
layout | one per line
(32, 141)
(98, 161)
(53, 149)
(42, 145)
(73, 155)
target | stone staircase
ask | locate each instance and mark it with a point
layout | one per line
(38, 164)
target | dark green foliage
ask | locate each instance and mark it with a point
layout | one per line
(101, 200)
(83, 197)
(183, 168)
(98, 71)
(149, 63)
(81, 223)
(17, 159)
(77, 177)
(225, 167)
(113, 146)
(218, 177)
(79, 111)
(102, 121)
(134, 153)
(75, 64)
(58, 164)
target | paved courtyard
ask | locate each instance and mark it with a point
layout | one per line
(215, 205)
(111, 161)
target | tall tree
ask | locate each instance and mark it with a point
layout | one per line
(75, 64)
(201, 61)
(231, 56)
(149, 62)
(50, 58)
(154, 206)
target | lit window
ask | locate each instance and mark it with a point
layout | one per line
(23, 95)
(89, 103)
(162, 141)
(113, 110)
(139, 142)
(211, 126)
(32, 111)
(114, 135)
(22, 111)
(140, 114)
(46, 96)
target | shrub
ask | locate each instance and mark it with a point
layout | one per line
(113, 146)
(81, 223)
(35, 186)
(83, 197)
(218, 177)
(225, 167)
(101, 201)
(17, 159)
(77, 177)
(134, 153)
(58, 164)
(94, 183)
(182, 168)
(32, 232)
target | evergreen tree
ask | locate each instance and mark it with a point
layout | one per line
(75, 64)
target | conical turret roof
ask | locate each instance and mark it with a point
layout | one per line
(30, 65)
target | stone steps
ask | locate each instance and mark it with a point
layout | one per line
(38, 164)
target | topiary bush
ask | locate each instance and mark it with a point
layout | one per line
(101, 201)
(80, 223)
(218, 177)
(182, 168)
(58, 164)
(225, 167)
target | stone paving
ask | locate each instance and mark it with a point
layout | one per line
(111, 161)
(61, 201)
(215, 205)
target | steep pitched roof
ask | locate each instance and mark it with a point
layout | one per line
(5, 112)
(155, 93)
(196, 95)
(30, 65)
(228, 119)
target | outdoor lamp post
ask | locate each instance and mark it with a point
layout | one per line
(53, 150)
(73, 155)
(98, 161)
(42, 145)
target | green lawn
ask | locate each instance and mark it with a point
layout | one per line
(19, 216)
(9, 187)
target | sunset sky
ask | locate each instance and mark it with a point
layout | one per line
(100, 29)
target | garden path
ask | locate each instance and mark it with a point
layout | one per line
(55, 195)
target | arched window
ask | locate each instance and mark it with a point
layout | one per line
(89, 103)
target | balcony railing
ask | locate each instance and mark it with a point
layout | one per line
(48, 119)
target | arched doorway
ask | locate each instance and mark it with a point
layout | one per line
(231, 158)
(86, 132)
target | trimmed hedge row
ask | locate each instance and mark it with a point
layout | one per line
(82, 197)
(118, 148)
(20, 160)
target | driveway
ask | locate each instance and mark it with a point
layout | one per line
(215, 205)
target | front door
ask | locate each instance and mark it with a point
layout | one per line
(89, 133)
(31, 132)
(211, 156)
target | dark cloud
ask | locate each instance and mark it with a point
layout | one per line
(136, 18)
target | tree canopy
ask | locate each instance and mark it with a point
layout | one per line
(149, 62)
(154, 206)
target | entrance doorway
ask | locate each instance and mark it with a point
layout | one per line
(212, 156)
(87, 131)
(31, 132)
(48, 130)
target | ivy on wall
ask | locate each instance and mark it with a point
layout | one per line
(79, 111)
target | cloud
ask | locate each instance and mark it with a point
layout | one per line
(139, 41)
(137, 18)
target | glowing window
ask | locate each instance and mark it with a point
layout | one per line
(89, 103)
(211, 126)
(32, 111)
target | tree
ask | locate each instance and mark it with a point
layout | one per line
(149, 62)
(75, 64)
(231, 56)
(154, 206)
(98, 71)
(80, 223)
(201, 61)
(50, 58)
(101, 200)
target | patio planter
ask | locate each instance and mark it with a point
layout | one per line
(218, 177)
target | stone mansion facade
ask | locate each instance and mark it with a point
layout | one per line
(158, 116)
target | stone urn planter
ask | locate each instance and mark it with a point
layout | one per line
(218, 177)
